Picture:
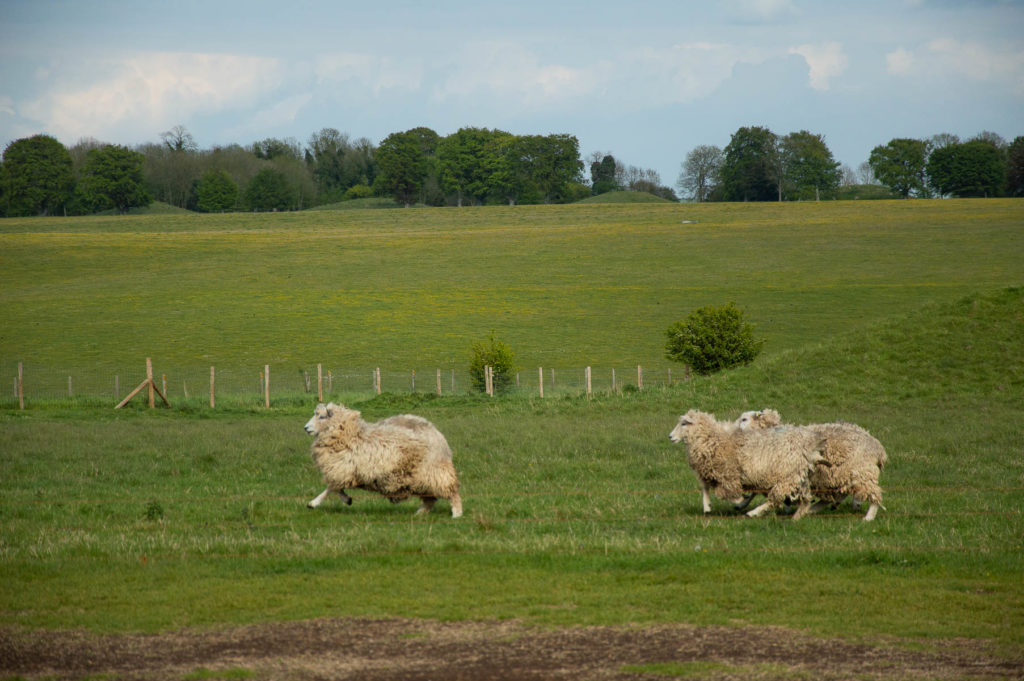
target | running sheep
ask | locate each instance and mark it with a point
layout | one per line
(731, 463)
(400, 457)
(855, 460)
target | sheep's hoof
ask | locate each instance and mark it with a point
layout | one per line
(348, 501)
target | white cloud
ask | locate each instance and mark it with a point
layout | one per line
(369, 73)
(278, 115)
(761, 11)
(511, 76)
(824, 60)
(945, 57)
(145, 93)
(900, 62)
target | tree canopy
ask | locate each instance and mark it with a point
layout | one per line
(748, 168)
(974, 168)
(36, 177)
(900, 165)
(113, 179)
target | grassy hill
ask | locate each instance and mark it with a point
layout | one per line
(564, 286)
(577, 511)
(625, 197)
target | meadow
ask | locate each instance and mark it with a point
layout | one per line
(905, 317)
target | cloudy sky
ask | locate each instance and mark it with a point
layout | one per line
(646, 80)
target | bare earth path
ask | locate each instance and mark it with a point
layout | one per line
(372, 650)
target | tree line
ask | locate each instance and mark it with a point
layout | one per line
(759, 165)
(478, 166)
(473, 166)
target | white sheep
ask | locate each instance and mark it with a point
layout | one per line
(730, 462)
(399, 457)
(854, 456)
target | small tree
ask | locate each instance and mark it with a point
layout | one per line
(713, 338)
(216, 191)
(499, 357)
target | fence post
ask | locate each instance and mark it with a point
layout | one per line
(587, 372)
(117, 386)
(21, 387)
(614, 387)
(266, 385)
(149, 380)
(70, 393)
(540, 376)
(212, 382)
(439, 382)
(414, 380)
(376, 380)
(639, 377)
(319, 382)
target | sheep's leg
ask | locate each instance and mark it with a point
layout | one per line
(803, 509)
(323, 495)
(705, 497)
(456, 502)
(319, 499)
(872, 511)
(818, 505)
(744, 502)
(428, 503)
(759, 510)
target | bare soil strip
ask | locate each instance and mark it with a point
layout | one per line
(382, 650)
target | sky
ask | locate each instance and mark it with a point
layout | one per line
(644, 80)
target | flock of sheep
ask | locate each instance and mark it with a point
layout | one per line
(406, 456)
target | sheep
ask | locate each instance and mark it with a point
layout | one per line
(731, 462)
(398, 457)
(855, 457)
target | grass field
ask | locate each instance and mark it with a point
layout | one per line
(899, 316)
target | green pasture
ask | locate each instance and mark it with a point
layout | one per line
(900, 316)
(564, 286)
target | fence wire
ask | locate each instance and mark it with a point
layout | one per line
(54, 383)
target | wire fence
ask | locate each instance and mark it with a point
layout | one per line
(266, 383)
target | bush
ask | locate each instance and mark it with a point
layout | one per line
(499, 357)
(711, 339)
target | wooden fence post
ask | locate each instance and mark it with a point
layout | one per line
(540, 376)
(639, 377)
(266, 385)
(587, 372)
(149, 380)
(212, 384)
(376, 380)
(117, 386)
(319, 382)
(614, 387)
(438, 381)
(21, 387)
(414, 380)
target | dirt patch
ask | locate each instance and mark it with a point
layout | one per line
(411, 650)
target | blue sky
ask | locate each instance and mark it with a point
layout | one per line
(646, 80)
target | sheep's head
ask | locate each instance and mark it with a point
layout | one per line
(688, 420)
(330, 416)
(757, 420)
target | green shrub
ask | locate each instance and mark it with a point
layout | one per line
(713, 338)
(499, 357)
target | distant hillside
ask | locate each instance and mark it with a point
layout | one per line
(624, 197)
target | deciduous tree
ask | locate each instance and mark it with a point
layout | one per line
(810, 170)
(402, 167)
(749, 166)
(900, 165)
(216, 192)
(700, 172)
(36, 177)
(974, 168)
(112, 178)
(1015, 168)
